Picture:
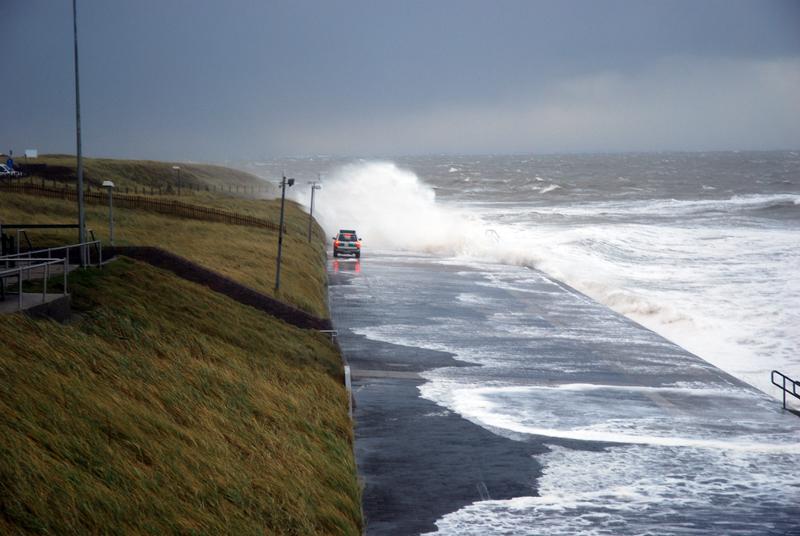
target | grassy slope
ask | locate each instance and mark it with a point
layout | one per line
(168, 408)
(149, 173)
(246, 254)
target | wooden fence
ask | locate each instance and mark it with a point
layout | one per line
(162, 206)
(65, 176)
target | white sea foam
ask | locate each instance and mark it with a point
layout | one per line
(727, 293)
(642, 489)
(391, 208)
(549, 188)
(624, 414)
(670, 207)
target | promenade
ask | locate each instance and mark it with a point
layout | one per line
(545, 412)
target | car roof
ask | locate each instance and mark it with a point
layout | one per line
(347, 231)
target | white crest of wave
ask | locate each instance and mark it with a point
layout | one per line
(550, 188)
(392, 209)
(672, 279)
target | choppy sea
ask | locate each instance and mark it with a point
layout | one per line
(702, 248)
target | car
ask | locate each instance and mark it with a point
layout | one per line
(347, 243)
(6, 171)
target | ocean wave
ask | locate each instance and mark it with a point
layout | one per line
(549, 188)
(674, 207)
(638, 489)
(725, 292)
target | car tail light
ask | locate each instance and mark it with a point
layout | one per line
(336, 243)
(358, 245)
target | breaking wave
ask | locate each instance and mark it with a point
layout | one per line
(722, 291)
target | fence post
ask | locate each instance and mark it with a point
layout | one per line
(44, 283)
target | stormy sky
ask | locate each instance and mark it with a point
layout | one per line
(214, 80)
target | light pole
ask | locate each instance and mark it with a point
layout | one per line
(284, 183)
(178, 169)
(110, 186)
(81, 213)
(315, 185)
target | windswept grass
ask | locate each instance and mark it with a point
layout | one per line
(246, 254)
(130, 173)
(167, 408)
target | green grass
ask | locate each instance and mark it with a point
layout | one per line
(147, 173)
(246, 254)
(167, 408)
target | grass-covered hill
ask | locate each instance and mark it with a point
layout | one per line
(164, 407)
(141, 173)
(246, 254)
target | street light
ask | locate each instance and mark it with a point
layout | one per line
(284, 183)
(315, 185)
(110, 186)
(81, 213)
(178, 169)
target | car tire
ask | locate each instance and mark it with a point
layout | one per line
(358, 255)
(335, 253)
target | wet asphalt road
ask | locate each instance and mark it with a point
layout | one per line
(419, 461)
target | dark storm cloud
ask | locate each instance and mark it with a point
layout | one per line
(212, 80)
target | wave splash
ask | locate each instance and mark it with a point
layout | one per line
(702, 286)
(392, 209)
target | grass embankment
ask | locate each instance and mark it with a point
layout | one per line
(165, 407)
(246, 254)
(142, 173)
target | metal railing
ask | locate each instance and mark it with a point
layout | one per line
(28, 265)
(332, 332)
(20, 234)
(793, 387)
(49, 252)
(23, 265)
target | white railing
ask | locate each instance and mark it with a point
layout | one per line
(22, 265)
(32, 254)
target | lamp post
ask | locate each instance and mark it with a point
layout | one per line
(315, 185)
(284, 183)
(178, 169)
(110, 187)
(81, 213)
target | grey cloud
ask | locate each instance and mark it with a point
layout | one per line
(679, 104)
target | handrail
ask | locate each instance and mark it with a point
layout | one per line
(29, 254)
(40, 263)
(795, 385)
(41, 260)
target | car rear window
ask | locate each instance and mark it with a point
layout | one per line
(345, 236)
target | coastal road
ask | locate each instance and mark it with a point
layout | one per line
(492, 399)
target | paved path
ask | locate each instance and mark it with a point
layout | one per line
(29, 300)
(533, 391)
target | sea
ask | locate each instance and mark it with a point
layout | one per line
(701, 248)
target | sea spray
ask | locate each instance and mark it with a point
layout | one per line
(686, 268)
(393, 209)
